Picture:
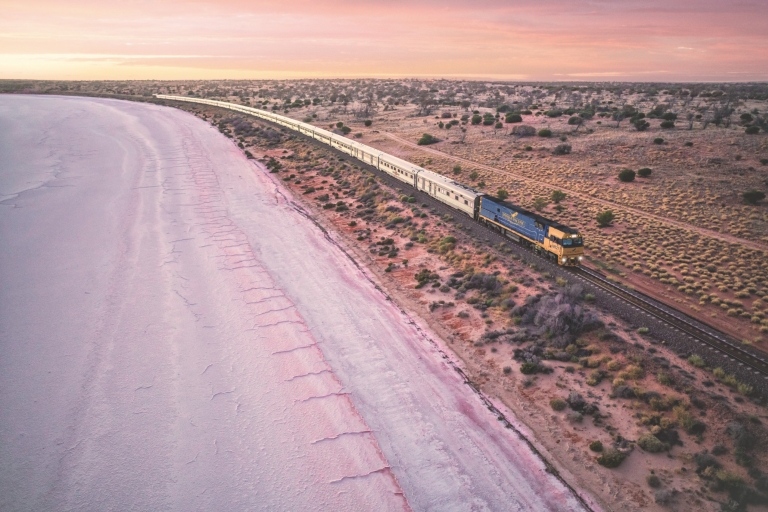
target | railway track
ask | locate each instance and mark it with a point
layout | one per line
(676, 319)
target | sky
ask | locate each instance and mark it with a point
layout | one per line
(596, 40)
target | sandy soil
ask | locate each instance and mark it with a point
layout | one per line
(176, 334)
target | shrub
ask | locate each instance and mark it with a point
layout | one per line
(753, 196)
(557, 196)
(746, 117)
(752, 130)
(658, 140)
(667, 124)
(605, 218)
(457, 169)
(688, 144)
(574, 417)
(368, 122)
(641, 125)
(528, 368)
(653, 480)
(545, 132)
(502, 194)
(627, 175)
(558, 404)
(524, 130)
(346, 129)
(650, 443)
(596, 446)
(745, 389)
(729, 480)
(473, 175)
(575, 120)
(697, 361)
(426, 139)
(611, 458)
(562, 149)
(513, 118)
(663, 378)
(643, 330)
(477, 119)
(539, 203)
(644, 172)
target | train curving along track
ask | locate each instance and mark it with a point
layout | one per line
(673, 317)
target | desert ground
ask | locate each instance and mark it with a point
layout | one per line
(615, 410)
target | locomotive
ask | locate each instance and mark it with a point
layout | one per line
(560, 243)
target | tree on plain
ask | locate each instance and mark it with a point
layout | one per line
(605, 218)
(627, 175)
(557, 196)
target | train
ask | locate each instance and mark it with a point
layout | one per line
(560, 243)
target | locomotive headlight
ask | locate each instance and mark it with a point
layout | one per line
(565, 259)
(581, 258)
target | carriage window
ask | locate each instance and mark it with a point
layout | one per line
(466, 202)
(538, 225)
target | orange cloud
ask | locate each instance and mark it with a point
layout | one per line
(524, 39)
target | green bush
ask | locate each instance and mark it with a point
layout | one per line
(641, 125)
(562, 149)
(729, 480)
(658, 140)
(644, 172)
(368, 122)
(697, 361)
(346, 129)
(477, 119)
(753, 196)
(498, 125)
(627, 175)
(575, 120)
(752, 130)
(528, 368)
(457, 169)
(667, 124)
(596, 446)
(557, 196)
(513, 118)
(558, 404)
(653, 480)
(545, 132)
(426, 139)
(650, 443)
(605, 218)
(611, 458)
(502, 194)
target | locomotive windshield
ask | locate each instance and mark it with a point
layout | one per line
(572, 242)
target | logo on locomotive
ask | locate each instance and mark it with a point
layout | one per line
(512, 219)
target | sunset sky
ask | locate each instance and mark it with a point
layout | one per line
(637, 40)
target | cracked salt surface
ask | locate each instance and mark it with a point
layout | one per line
(175, 334)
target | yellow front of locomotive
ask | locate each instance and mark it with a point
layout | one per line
(566, 247)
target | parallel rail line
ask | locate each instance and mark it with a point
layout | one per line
(679, 320)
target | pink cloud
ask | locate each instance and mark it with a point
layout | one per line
(541, 39)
